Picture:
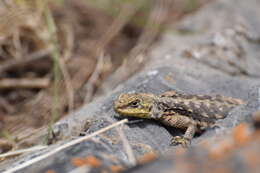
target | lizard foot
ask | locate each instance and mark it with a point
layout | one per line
(180, 140)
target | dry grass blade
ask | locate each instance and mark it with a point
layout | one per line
(69, 40)
(24, 83)
(22, 151)
(127, 147)
(68, 83)
(30, 58)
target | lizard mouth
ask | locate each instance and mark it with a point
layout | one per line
(133, 113)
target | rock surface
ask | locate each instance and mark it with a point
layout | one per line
(214, 51)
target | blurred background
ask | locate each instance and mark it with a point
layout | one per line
(56, 56)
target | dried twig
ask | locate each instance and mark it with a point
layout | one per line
(127, 146)
(60, 148)
(69, 44)
(17, 45)
(32, 57)
(25, 83)
(68, 83)
(18, 152)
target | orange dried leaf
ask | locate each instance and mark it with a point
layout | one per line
(148, 157)
(116, 168)
(93, 161)
(241, 134)
(77, 161)
(50, 171)
(222, 150)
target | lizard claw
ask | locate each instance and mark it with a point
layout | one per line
(185, 142)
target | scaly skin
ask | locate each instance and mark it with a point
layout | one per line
(190, 112)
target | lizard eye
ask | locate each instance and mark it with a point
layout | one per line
(135, 104)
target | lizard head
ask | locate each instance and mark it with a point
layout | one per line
(135, 105)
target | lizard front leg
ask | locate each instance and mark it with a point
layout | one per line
(182, 122)
(185, 140)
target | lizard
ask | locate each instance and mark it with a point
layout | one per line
(191, 112)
